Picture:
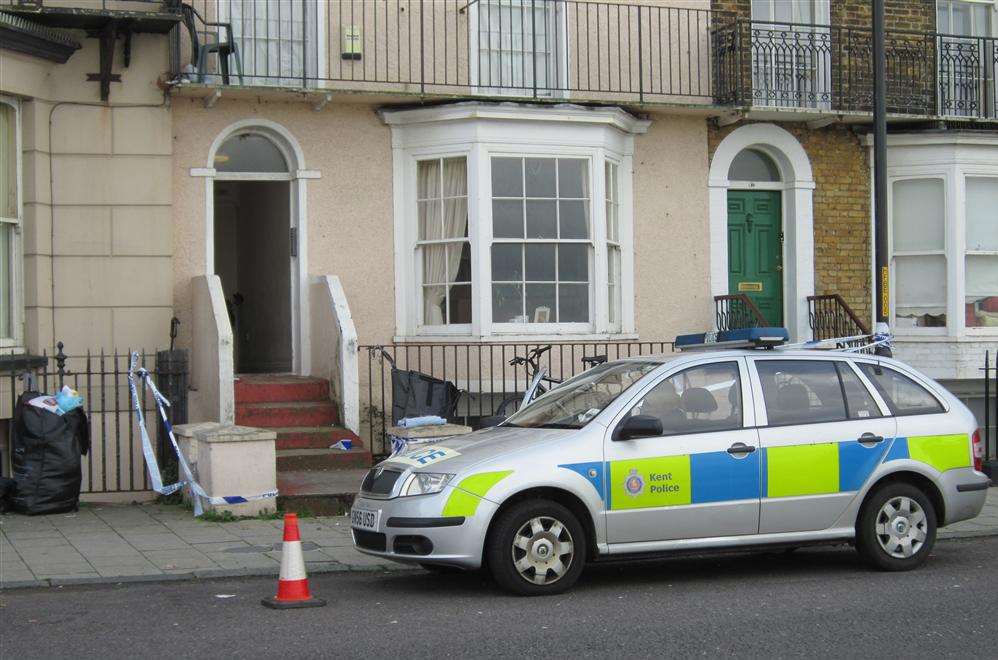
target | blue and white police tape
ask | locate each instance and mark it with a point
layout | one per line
(186, 476)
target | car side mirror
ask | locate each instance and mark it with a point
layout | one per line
(639, 426)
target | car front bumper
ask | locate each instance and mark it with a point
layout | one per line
(413, 530)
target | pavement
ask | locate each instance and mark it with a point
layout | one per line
(151, 542)
(814, 603)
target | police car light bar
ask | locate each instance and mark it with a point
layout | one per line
(741, 338)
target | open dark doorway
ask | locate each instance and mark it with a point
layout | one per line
(253, 260)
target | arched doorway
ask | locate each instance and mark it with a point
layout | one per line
(755, 233)
(254, 245)
(761, 223)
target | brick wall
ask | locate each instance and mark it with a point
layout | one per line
(899, 14)
(842, 240)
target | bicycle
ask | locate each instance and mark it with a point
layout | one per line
(537, 376)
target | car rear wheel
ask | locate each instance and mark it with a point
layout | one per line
(896, 528)
(536, 548)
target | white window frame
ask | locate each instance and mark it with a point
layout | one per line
(952, 158)
(480, 131)
(557, 74)
(938, 175)
(15, 342)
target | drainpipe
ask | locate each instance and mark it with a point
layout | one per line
(882, 276)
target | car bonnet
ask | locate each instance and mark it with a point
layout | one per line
(456, 453)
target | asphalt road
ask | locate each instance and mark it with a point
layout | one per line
(815, 602)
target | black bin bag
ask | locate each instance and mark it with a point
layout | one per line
(46, 451)
(415, 394)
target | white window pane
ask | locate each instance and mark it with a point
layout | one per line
(982, 213)
(249, 152)
(455, 174)
(507, 218)
(459, 262)
(507, 177)
(459, 304)
(762, 10)
(918, 215)
(428, 179)
(507, 303)
(542, 219)
(6, 280)
(429, 220)
(573, 303)
(573, 263)
(541, 303)
(573, 178)
(574, 218)
(8, 161)
(961, 19)
(540, 262)
(434, 264)
(434, 301)
(507, 262)
(942, 18)
(982, 291)
(541, 177)
(920, 290)
(455, 220)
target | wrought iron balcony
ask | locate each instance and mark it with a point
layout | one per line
(533, 49)
(827, 67)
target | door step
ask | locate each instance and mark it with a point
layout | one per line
(271, 389)
(282, 414)
(322, 459)
(318, 493)
(314, 437)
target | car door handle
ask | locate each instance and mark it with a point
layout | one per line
(740, 448)
(869, 438)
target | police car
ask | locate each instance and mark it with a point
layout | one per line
(731, 448)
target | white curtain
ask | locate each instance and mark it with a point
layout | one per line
(443, 215)
(8, 210)
(277, 39)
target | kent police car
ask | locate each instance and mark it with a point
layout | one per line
(705, 450)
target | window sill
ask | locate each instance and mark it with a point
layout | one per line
(16, 360)
(516, 339)
(967, 337)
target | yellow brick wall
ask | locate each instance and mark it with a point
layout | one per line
(842, 237)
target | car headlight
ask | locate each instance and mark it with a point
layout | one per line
(424, 483)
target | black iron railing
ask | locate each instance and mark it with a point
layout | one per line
(735, 311)
(536, 49)
(115, 462)
(828, 67)
(480, 371)
(990, 421)
(830, 316)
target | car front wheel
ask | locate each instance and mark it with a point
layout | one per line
(536, 548)
(896, 528)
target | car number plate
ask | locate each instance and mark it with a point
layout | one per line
(365, 519)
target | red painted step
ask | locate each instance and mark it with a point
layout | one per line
(322, 459)
(266, 389)
(314, 437)
(286, 413)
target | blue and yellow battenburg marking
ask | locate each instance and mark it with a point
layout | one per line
(773, 472)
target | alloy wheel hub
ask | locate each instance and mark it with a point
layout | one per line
(901, 527)
(542, 550)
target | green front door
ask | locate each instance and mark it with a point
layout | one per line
(755, 264)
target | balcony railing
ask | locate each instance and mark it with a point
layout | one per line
(823, 67)
(536, 49)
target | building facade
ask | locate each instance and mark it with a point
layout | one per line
(499, 172)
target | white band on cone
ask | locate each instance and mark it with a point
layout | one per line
(292, 561)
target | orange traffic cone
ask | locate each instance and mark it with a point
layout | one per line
(292, 586)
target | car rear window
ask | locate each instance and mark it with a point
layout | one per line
(903, 395)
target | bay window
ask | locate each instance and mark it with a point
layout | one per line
(508, 225)
(981, 267)
(10, 223)
(919, 245)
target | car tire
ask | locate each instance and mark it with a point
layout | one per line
(534, 536)
(896, 528)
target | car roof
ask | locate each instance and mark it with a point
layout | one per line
(690, 356)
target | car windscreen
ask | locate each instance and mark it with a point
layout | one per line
(575, 402)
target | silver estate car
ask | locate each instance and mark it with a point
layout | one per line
(706, 450)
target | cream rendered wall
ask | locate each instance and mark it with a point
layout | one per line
(96, 198)
(350, 225)
(349, 208)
